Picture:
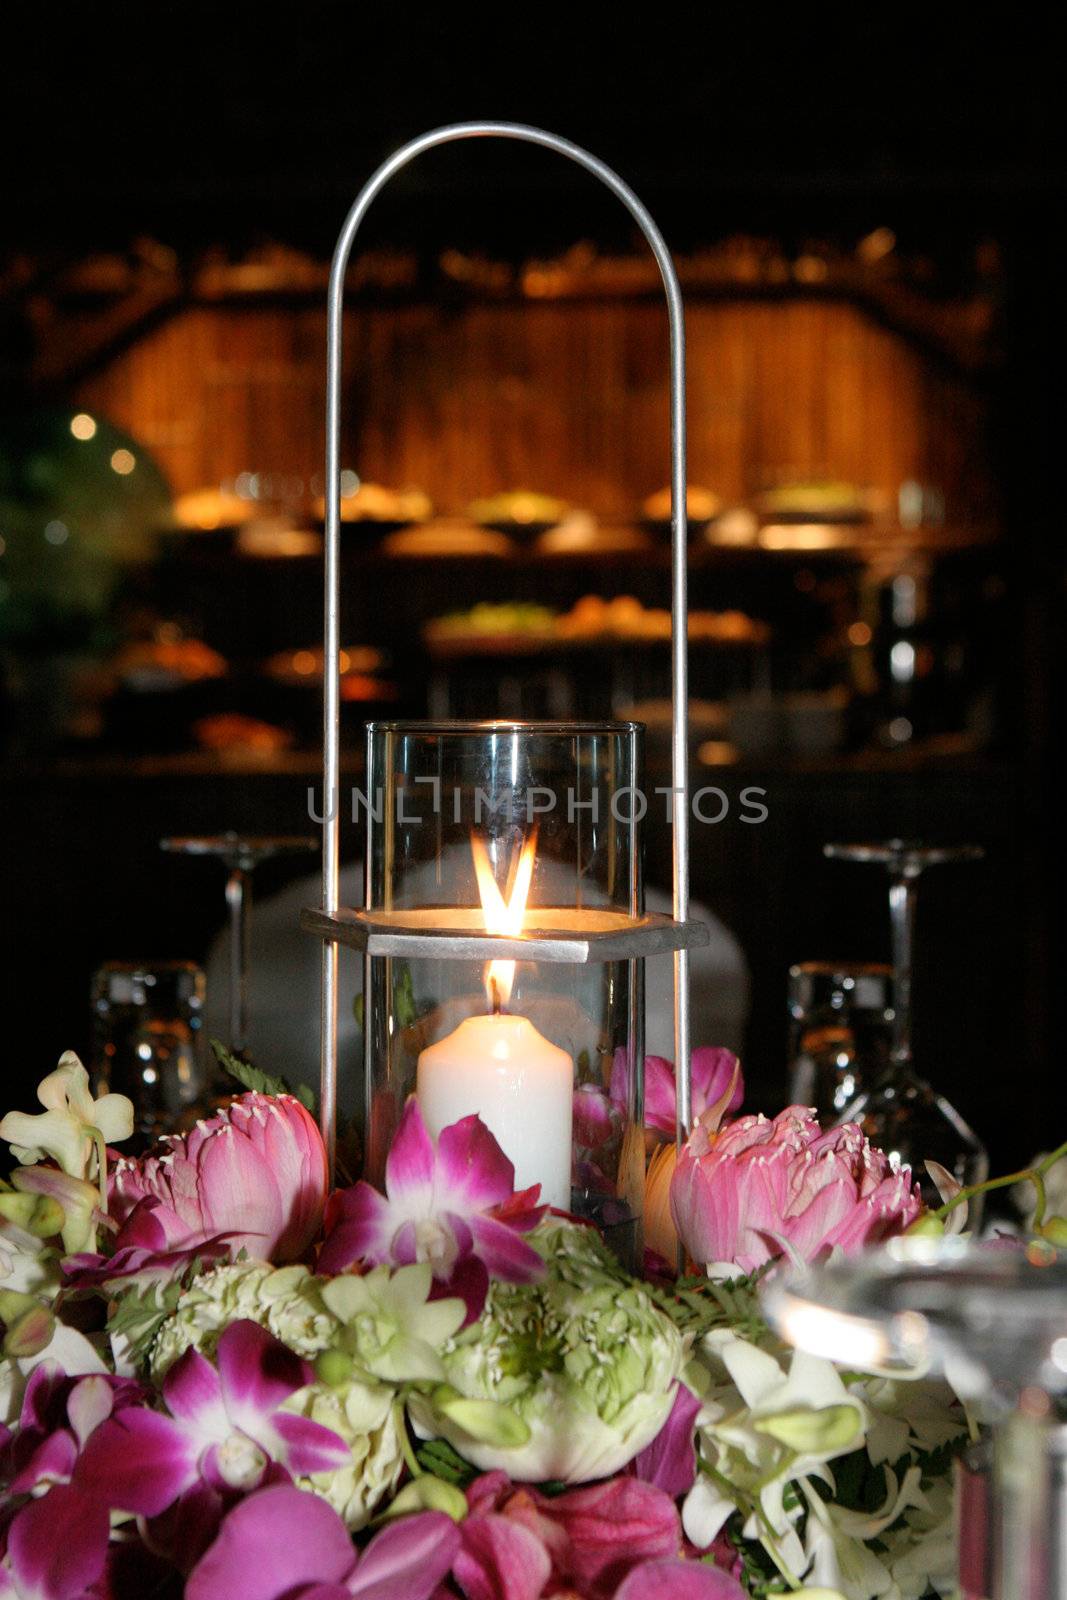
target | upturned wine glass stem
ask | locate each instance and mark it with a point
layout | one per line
(1021, 1538)
(239, 900)
(903, 892)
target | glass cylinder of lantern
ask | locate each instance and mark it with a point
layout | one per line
(515, 830)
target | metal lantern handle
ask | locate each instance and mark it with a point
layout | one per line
(679, 610)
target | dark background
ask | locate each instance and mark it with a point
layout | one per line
(204, 124)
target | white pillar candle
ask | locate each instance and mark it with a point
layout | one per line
(521, 1086)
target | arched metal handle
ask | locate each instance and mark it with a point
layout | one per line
(679, 610)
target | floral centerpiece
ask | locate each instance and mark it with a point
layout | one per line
(220, 1379)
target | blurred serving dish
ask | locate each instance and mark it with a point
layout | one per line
(303, 668)
(519, 628)
(447, 536)
(510, 627)
(275, 541)
(374, 503)
(701, 505)
(208, 510)
(152, 665)
(519, 512)
(231, 731)
(579, 534)
(824, 500)
(594, 618)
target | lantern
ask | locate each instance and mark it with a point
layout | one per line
(503, 928)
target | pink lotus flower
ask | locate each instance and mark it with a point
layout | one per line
(226, 1429)
(714, 1073)
(284, 1544)
(760, 1188)
(255, 1173)
(450, 1203)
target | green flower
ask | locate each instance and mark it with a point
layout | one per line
(389, 1326)
(286, 1300)
(368, 1420)
(291, 1303)
(565, 1379)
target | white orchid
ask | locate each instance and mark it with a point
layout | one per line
(837, 1540)
(768, 1427)
(73, 1129)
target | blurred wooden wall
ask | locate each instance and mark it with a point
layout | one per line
(563, 397)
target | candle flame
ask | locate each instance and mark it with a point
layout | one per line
(503, 913)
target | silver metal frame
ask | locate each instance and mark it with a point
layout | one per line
(380, 933)
(332, 642)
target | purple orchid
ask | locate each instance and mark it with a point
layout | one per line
(451, 1204)
(142, 1264)
(56, 1547)
(59, 1414)
(670, 1461)
(519, 1544)
(679, 1580)
(226, 1429)
(281, 1542)
(57, 1541)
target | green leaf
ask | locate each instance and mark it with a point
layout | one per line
(439, 1458)
(256, 1081)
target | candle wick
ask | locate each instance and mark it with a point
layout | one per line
(494, 997)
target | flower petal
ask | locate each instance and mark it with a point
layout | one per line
(679, 1580)
(57, 1544)
(610, 1527)
(279, 1541)
(89, 1405)
(361, 1225)
(193, 1392)
(308, 1446)
(53, 1133)
(505, 1254)
(138, 1461)
(113, 1115)
(257, 1373)
(500, 1560)
(660, 1095)
(468, 1282)
(669, 1461)
(409, 1167)
(52, 1462)
(237, 1190)
(472, 1171)
(407, 1560)
(714, 1070)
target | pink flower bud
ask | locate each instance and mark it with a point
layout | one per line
(256, 1172)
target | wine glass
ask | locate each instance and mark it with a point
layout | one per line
(902, 1112)
(993, 1319)
(240, 854)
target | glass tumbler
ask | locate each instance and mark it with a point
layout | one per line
(147, 1042)
(840, 1032)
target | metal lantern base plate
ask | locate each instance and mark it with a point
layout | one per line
(549, 934)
